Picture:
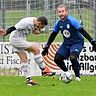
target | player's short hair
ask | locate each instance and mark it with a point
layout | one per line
(43, 20)
(61, 5)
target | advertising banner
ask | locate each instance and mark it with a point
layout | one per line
(9, 59)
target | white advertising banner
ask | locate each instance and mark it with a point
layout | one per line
(9, 59)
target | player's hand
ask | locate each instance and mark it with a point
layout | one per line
(45, 50)
(2, 32)
(93, 42)
(36, 31)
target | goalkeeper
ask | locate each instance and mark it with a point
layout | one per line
(72, 32)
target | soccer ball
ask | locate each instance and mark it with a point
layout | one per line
(66, 77)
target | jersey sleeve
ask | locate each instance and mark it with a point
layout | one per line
(76, 23)
(20, 25)
(56, 27)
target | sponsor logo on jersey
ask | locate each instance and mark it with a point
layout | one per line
(66, 33)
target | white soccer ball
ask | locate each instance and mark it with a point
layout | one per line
(66, 77)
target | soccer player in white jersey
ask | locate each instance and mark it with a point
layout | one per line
(18, 40)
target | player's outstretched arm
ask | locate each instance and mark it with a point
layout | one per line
(87, 36)
(50, 40)
(6, 32)
(9, 30)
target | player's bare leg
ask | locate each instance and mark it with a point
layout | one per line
(38, 58)
(25, 69)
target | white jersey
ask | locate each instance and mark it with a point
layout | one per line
(23, 28)
(18, 37)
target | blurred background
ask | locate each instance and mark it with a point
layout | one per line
(11, 11)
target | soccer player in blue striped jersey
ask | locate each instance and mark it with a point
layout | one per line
(72, 32)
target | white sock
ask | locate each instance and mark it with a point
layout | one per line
(67, 72)
(25, 69)
(39, 60)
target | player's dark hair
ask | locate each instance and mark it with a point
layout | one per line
(43, 20)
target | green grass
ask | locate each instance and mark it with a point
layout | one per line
(49, 86)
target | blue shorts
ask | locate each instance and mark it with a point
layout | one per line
(65, 49)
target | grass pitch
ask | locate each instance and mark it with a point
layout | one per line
(49, 86)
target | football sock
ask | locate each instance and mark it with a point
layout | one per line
(76, 67)
(39, 60)
(75, 63)
(77, 73)
(29, 79)
(62, 65)
(25, 69)
(64, 68)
